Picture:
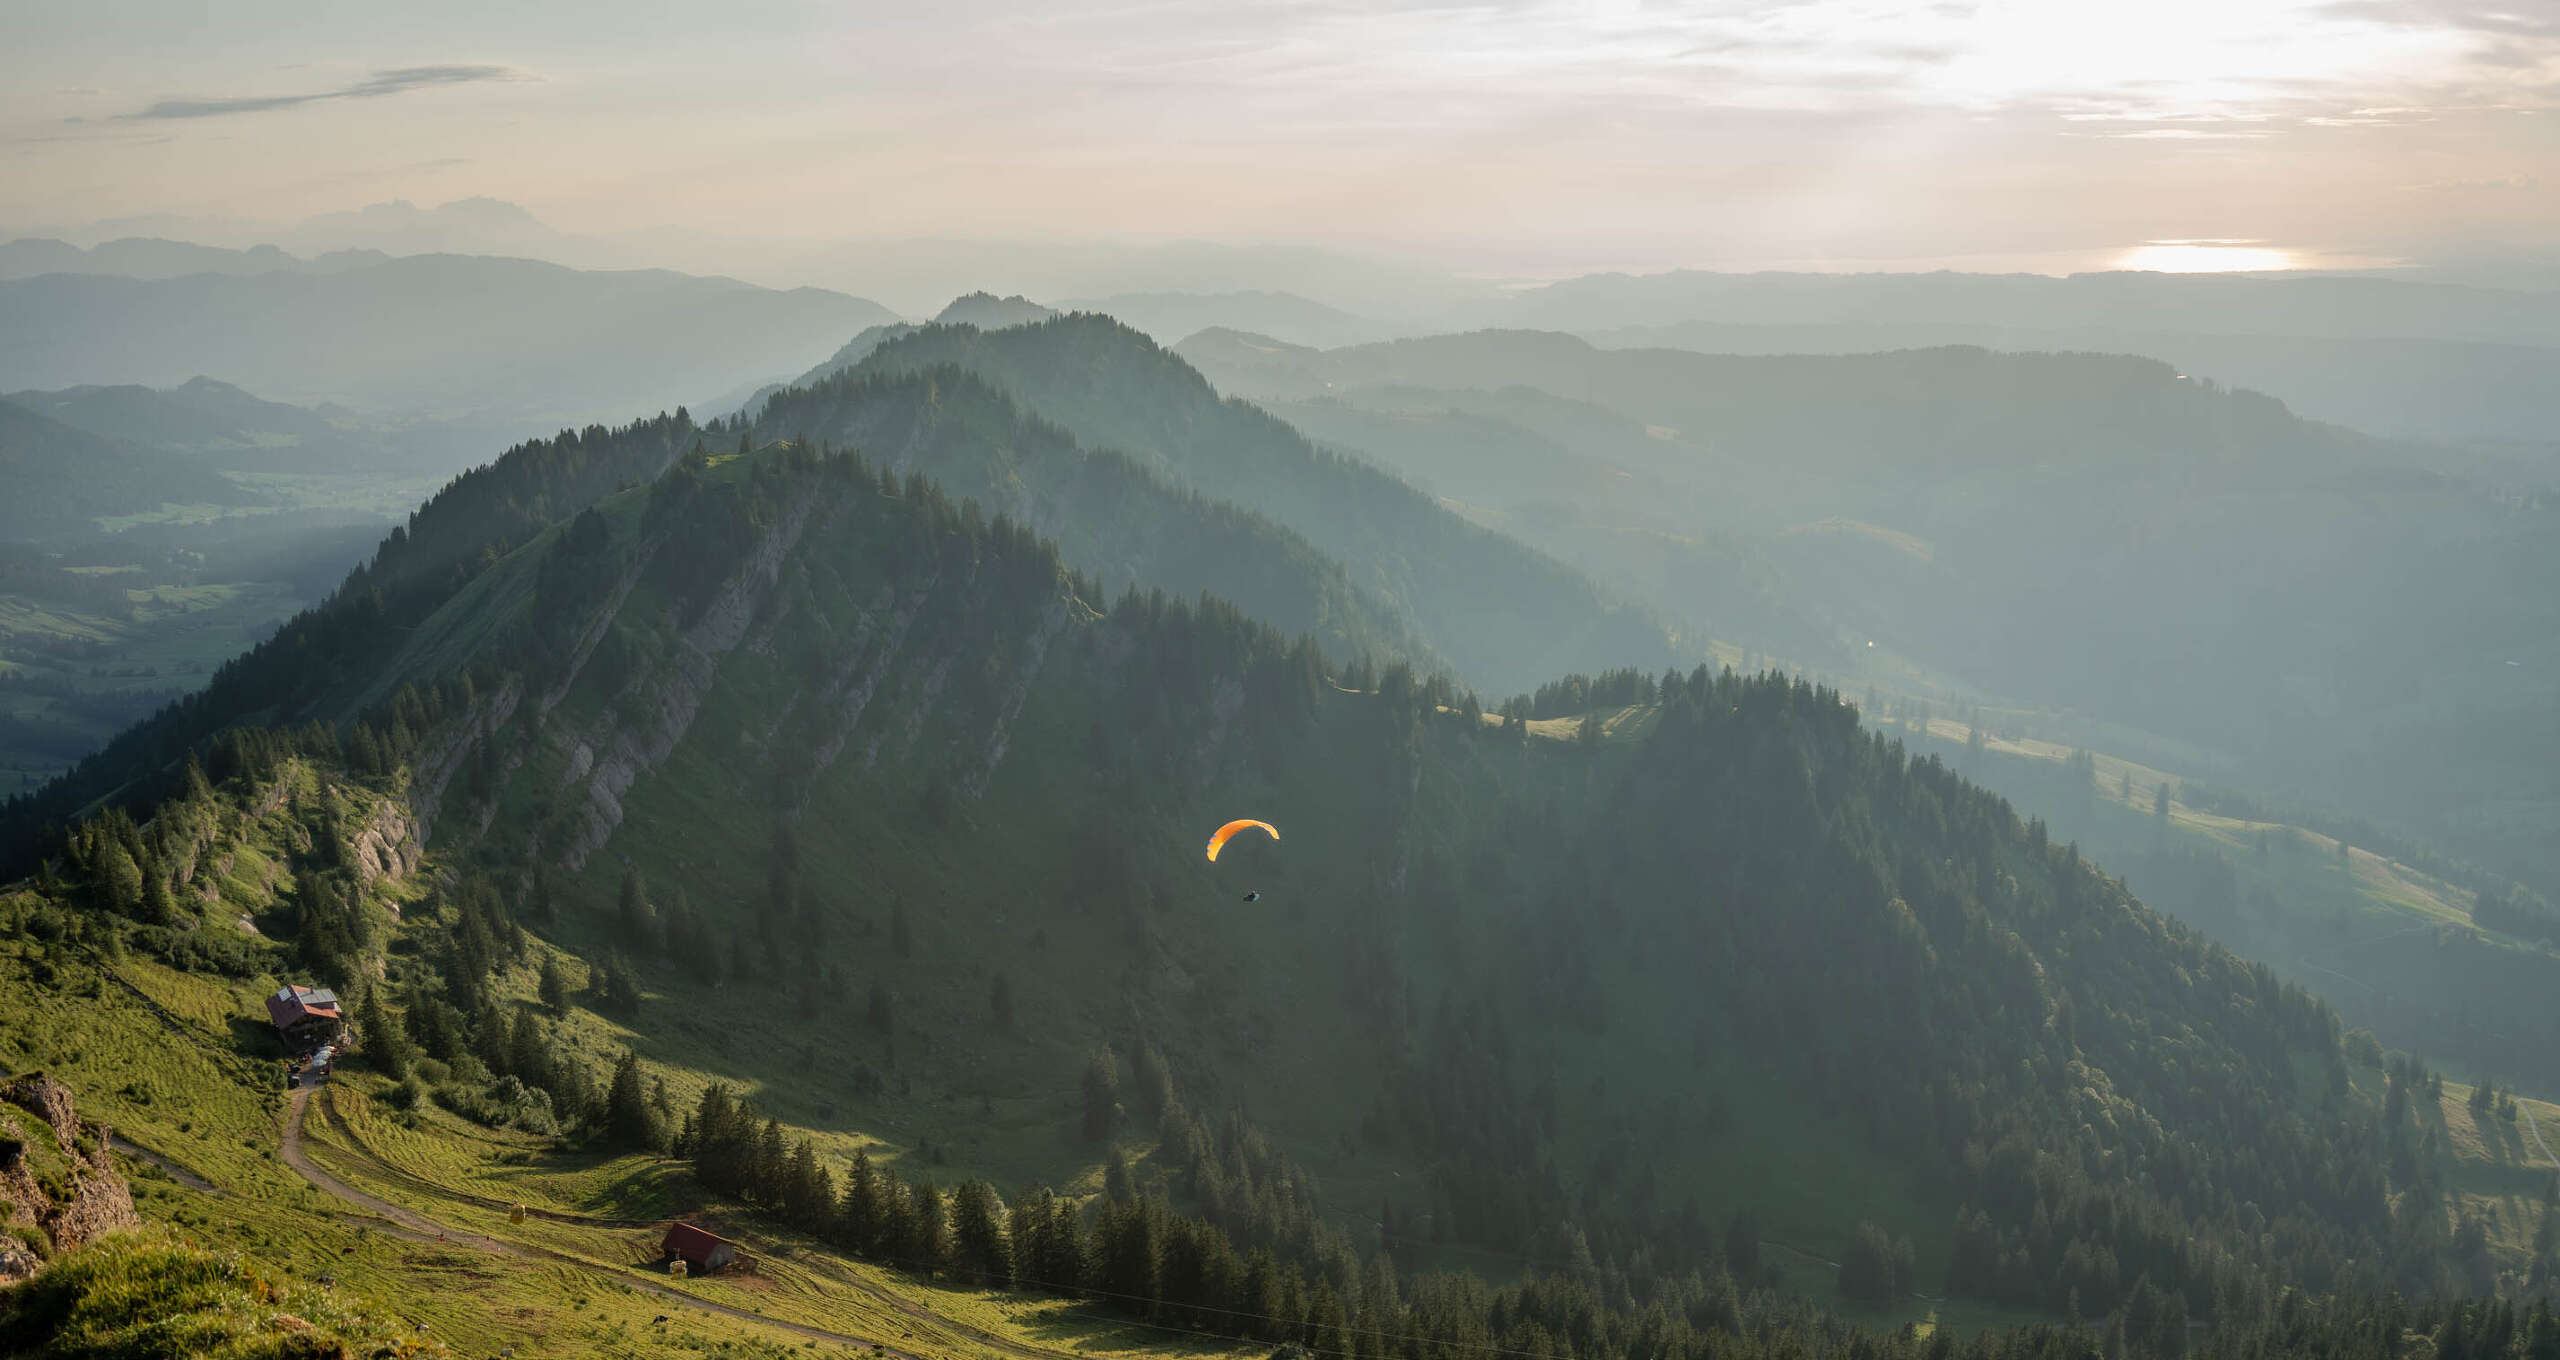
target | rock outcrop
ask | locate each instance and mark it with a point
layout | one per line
(73, 1194)
(388, 845)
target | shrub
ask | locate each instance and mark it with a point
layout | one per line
(1876, 1269)
(503, 1104)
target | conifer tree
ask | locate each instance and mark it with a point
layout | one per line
(858, 1211)
(528, 1056)
(629, 1119)
(158, 907)
(929, 1231)
(808, 1193)
(384, 1045)
(980, 1249)
(554, 987)
(772, 1161)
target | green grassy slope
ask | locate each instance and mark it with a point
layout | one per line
(157, 1296)
(183, 1065)
(2392, 945)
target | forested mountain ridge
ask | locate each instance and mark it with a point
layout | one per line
(1506, 616)
(61, 477)
(1567, 983)
(477, 519)
(2349, 622)
(222, 427)
(1128, 525)
(1111, 515)
(1912, 416)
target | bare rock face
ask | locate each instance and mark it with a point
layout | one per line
(16, 1261)
(96, 1201)
(387, 846)
(100, 1204)
(49, 1100)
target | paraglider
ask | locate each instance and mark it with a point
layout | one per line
(1218, 841)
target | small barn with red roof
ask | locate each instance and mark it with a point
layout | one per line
(701, 1250)
(305, 1016)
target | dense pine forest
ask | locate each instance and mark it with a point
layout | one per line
(1567, 976)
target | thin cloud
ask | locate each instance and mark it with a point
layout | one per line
(376, 86)
(2495, 184)
(2181, 135)
(2507, 18)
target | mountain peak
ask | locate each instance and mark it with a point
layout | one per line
(988, 312)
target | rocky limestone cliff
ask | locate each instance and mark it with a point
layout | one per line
(74, 1195)
(388, 845)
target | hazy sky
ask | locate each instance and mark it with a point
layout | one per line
(1514, 138)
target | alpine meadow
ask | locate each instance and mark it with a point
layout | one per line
(1666, 681)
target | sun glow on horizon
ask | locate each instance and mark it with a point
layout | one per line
(2205, 257)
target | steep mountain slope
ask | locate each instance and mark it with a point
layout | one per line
(473, 522)
(983, 310)
(2433, 954)
(2344, 623)
(173, 1059)
(1585, 995)
(1126, 526)
(60, 477)
(224, 427)
(443, 333)
(171, 531)
(1110, 515)
(1581, 482)
(1505, 616)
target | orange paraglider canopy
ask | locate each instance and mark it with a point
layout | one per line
(1219, 841)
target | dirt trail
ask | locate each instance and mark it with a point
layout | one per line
(2536, 1130)
(418, 1227)
(177, 1170)
(329, 1106)
(898, 1303)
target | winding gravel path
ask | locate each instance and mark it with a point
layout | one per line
(890, 1299)
(418, 1227)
